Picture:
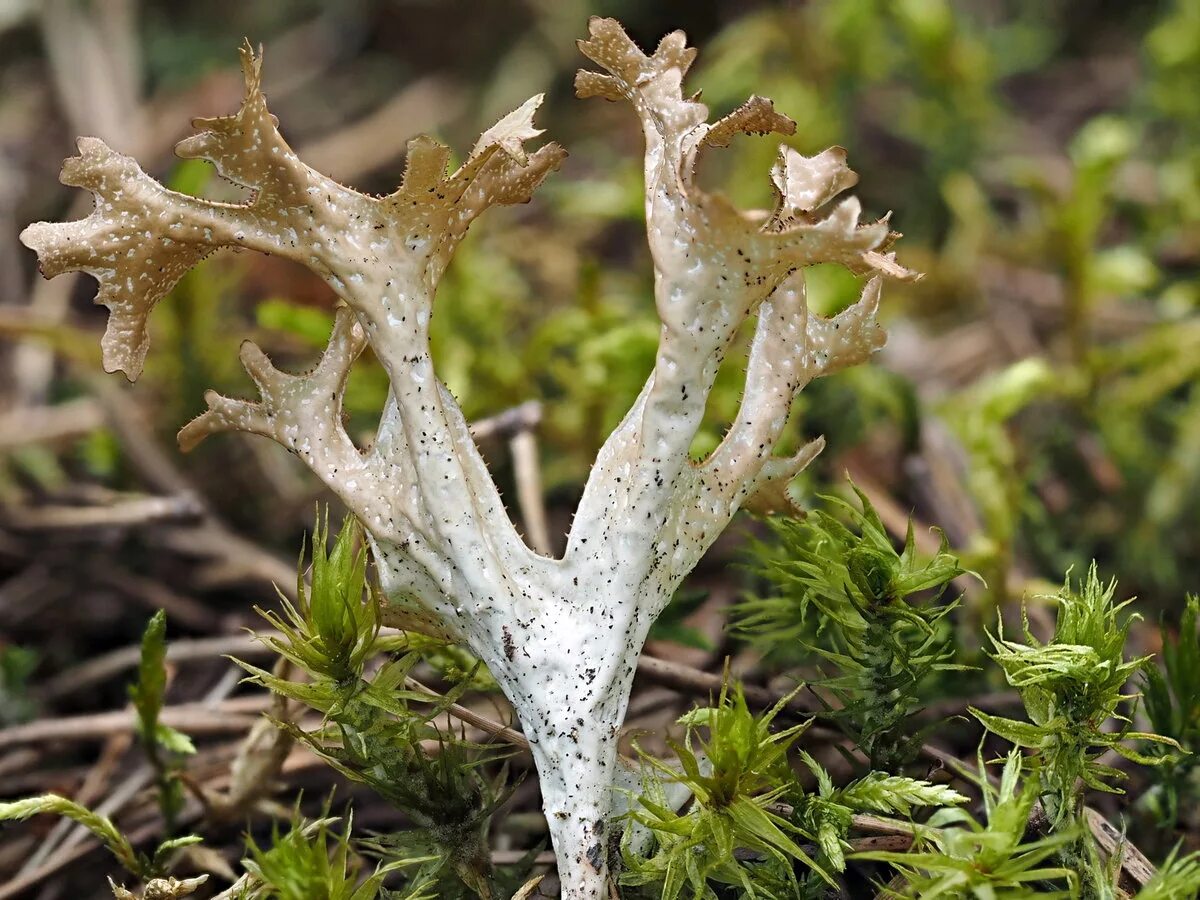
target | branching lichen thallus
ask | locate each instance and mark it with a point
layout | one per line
(562, 636)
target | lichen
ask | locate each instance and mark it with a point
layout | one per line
(561, 636)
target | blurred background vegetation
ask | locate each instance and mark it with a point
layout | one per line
(1038, 398)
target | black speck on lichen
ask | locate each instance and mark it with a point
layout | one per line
(595, 856)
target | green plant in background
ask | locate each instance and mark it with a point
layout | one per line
(937, 69)
(1073, 219)
(16, 665)
(735, 775)
(959, 856)
(1169, 107)
(1105, 232)
(372, 733)
(1072, 687)
(333, 627)
(146, 867)
(196, 340)
(163, 745)
(855, 603)
(1147, 413)
(1178, 876)
(748, 809)
(444, 793)
(829, 812)
(671, 625)
(980, 417)
(1172, 700)
(301, 864)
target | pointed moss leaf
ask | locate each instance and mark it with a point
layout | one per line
(1143, 759)
(957, 855)
(880, 792)
(830, 842)
(841, 591)
(163, 851)
(757, 823)
(172, 740)
(1178, 876)
(1023, 734)
(1072, 687)
(99, 825)
(147, 693)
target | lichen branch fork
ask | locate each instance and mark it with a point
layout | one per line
(562, 636)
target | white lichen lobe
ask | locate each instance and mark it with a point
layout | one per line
(562, 636)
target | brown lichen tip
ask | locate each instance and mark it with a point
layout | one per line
(800, 231)
(141, 238)
(512, 131)
(301, 412)
(126, 243)
(756, 116)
